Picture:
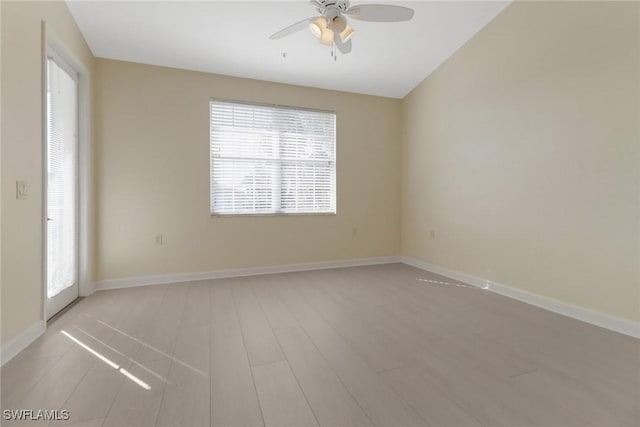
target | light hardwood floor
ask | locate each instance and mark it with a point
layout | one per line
(382, 345)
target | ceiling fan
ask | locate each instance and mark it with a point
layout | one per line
(331, 27)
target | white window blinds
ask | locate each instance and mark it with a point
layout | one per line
(62, 125)
(271, 159)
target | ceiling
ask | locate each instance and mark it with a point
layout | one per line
(232, 38)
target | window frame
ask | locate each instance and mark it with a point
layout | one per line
(279, 213)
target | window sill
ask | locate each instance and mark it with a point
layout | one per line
(233, 215)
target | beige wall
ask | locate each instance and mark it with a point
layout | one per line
(521, 153)
(152, 133)
(21, 278)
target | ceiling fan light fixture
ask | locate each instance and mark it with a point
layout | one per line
(346, 34)
(327, 37)
(331, 27)
(317, 26)
(338, 24)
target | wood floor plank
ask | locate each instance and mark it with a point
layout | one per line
(96, 422)
(161, 339)
(282, 401)
(501, 402)
(383, 406)
(422, 334)
(138, 400)
(437, 332)
(234, 401)
(186, 400)
(94, 395)
(588, 404)
(143, 305)
(380, 352)
(603, 361)
(426, 396)
(276, 313)
(262, 346)
(55, 387)
(193, 340)
(20, 376)
(120, 331)
(114, 353)
(330, 400)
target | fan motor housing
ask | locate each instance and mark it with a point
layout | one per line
(341, 5)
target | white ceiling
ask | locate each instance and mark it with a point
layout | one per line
(232, 38)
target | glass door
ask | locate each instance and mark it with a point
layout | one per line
(62, 185)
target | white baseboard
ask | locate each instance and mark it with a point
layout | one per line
(19, 343)
(239, 272)
(606, 321)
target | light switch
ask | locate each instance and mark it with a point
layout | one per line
(22, 190)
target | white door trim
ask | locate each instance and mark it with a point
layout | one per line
(51, 42)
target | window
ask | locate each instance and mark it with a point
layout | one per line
(271, 160)
(62, 175)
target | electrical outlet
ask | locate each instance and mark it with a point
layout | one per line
(159, 239)
(22, 190)
(354, 232)
(432, 234)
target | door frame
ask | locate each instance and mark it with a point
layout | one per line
(52, 42)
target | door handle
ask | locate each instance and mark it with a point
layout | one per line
(49, 219)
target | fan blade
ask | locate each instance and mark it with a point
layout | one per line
(342, 47)
(380, 13)
(294, 28)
